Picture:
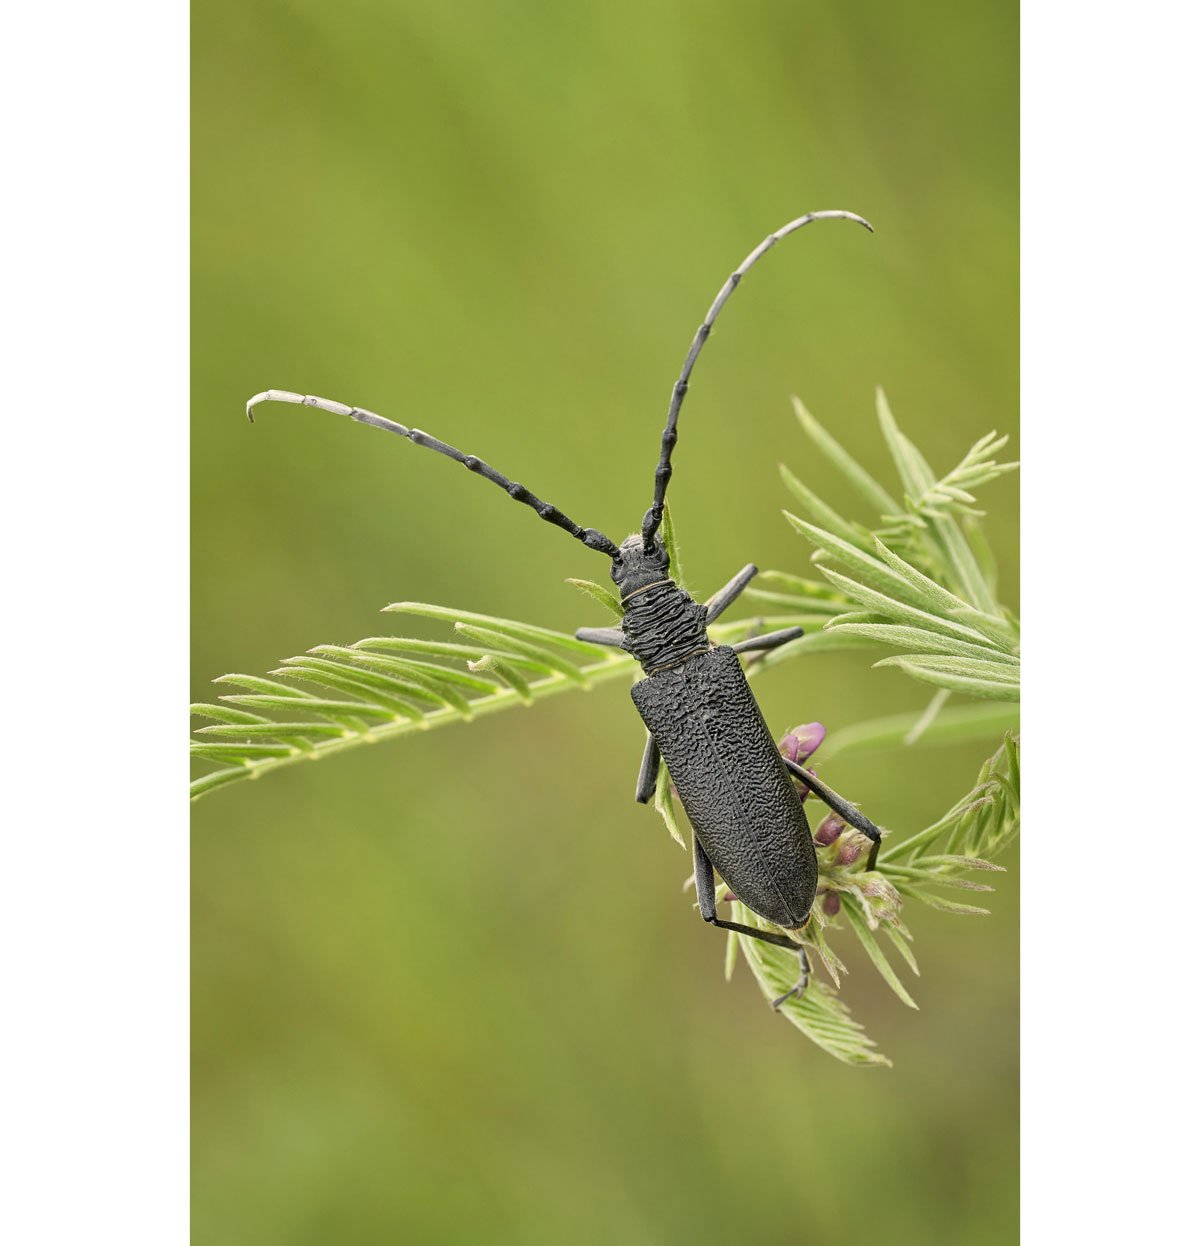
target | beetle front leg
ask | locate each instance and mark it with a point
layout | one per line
(841, 806)
(611, 636)
(719, 602)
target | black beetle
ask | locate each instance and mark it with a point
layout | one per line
(702, 720)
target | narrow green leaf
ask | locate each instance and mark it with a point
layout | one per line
(902, 946)
(670, 539)
(373, 682)
(866, 567)
(922, 640)
(432, 683)
(725, 632)
(878, 497)
(808, 605)
(538, 637)
(990, 688)
(834, 965)
(942, 879)
(918, 477)
(224, 714)
(598, 592)
(825, 515)
(272, 730)
(901, 612)
(936, 704)
(665, 804)
(946, 906)
(326, 674)
(995, 628)
(357, 663)
(240, 752)
(334, 709)
(255, 683)
(546, 656)
(830, 640)
(800, 586)
(854, 616)
(214, 779)
(959, 862)
(1013, 757)
(932, 595)
(958, 724)
(976, 668)
(429, 674)
(859, 925)
(970, 575)
(914, 473)
(446, 649)
(506, 671)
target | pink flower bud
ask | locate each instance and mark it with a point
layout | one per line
(849, 852)
(831, 905)
(802, 742)
(831, 827)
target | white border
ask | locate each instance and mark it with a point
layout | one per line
(1109, 418)
(93, 923)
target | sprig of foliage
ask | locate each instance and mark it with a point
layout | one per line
(935, 602)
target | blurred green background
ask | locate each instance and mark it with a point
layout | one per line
(448, 990)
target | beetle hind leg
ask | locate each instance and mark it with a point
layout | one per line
(801, 983)
(706, 894)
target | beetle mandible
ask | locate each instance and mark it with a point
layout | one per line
(702, 720)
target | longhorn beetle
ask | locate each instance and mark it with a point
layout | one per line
(747, 817)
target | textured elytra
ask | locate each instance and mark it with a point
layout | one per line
(738, 795)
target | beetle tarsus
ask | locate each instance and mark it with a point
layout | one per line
(801, 985)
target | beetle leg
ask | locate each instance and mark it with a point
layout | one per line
(648, 774)
(706, 893)
(801, 983)
(841, 806)
(719, 602)
(612, 636)
(769, 640)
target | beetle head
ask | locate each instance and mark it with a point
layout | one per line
(636, 566)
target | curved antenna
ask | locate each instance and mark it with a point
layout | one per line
(662, 475)
(551, 514)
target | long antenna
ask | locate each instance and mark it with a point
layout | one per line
(662, 474)
(551, 514)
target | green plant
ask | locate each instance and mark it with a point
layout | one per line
(921, 582)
